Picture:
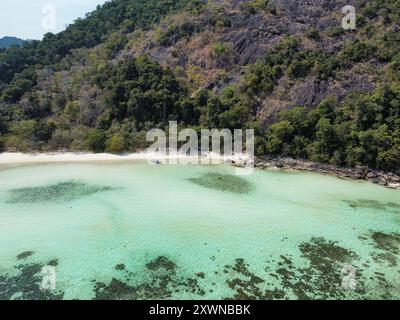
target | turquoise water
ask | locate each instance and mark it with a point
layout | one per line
(140, 231)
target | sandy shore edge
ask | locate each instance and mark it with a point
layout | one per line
(390, 180)
(26, 158)
(19, 158)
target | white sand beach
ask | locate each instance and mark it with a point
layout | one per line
(13, 158)
(26, 158)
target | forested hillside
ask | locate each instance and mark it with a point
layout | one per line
(286, 68)
(7, 42)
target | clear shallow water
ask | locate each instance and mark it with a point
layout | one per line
(137, 231)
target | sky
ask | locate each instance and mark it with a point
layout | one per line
(31, 19)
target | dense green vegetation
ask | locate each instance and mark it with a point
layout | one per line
(72, 91)
(18, 64)
(361, 130)
(120, 105)
(7, 42)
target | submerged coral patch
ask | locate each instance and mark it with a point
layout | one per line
(372, 204)
(120, 267)
(246, 284)
(161, 263)
(319, 278)
(24, 255)
(61, 192)
(161, 281)
(26, 284)
(387, 241)
(317, 271)
(223, 182)
(386, 245)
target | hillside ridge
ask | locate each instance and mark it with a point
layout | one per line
(286, 68)
(7, 41)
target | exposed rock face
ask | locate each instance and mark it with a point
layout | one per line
(387, 179)
(309, 93)
(309, 9)
(248, 37)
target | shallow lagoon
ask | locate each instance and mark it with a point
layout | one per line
(140, 231)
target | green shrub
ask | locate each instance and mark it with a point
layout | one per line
(115, 144)
(2, 146)
(96, 140)
(312, 33)
(361, 130)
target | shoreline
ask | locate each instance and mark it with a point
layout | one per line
(385, 179)
(38, 157)
(7, 158)
(382, 178)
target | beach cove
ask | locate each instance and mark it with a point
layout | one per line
(131, 230)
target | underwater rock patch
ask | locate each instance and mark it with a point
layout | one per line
(53, 263)
(26, 284)
(325, 276)
(24, 255)
(120, 267)
(321, 252)
(161, 263)
(161, 281)
(320, 277)
(386, 245)
(61, 192)
(387, 241)
(371, 204)
(223, 182)
(246, 284)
